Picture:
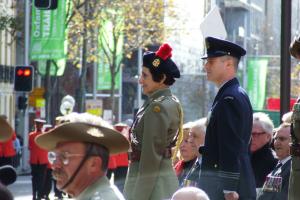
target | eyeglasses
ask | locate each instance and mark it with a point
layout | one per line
(256, 134)
(280, 138)
(64, 157)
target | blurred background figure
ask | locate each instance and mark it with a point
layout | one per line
(188, 155)
(197, 134)
(185, 129)
(277, 182)
(262, 156)
(38, 161)
(188, 168)
(190, 193)
(18, 150)
(196, 138)
(287, 117)
(7, 150)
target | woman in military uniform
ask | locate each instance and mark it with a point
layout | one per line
(157, 122)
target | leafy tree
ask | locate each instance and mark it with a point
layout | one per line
(8, 21)
(133, 24)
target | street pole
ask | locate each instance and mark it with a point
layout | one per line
(139, 89)
(285, 61)
(25, 152)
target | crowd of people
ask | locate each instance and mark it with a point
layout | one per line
(232, 153)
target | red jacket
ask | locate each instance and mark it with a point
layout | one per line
(122, 160)
(112, 164)
(7, 148)
(37, 155)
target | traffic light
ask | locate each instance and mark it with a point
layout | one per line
(22, 103)
(23, 78)
(46, 4)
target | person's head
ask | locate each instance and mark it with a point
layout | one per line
(197, 133)
(295, 47)
(222, 58)
(262, 131)
(159, 71)
(187, 127)
(38, 124)
(287, 117)
(79, 150)
(186, 149)
(190, 193)
(282, 140)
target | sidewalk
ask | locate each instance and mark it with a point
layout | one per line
(22, 190)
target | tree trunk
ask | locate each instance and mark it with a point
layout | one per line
(81, 93)
(112, 96)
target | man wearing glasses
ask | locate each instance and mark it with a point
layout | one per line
(79, 150)
(261, 136)
(277, 182)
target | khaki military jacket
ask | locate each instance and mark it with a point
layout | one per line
(101, 190)
(154, 128)
(294, 186)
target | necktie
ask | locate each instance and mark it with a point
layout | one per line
(279, 164)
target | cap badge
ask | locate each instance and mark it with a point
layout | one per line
(95, 132)
(156, 62)
(156, 109)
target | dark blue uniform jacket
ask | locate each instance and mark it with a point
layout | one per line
(226, 163)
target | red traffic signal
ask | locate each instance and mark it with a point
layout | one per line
(23, 78)
(23, 72)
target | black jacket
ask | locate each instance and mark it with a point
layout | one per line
(263, 162)
(283, 172)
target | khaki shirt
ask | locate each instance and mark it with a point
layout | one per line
(101, 190)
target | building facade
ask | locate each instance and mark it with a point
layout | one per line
(7, 62)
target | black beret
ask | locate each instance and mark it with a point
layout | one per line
(216, 47)
(161, 61)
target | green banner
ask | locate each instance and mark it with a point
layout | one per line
(104, 75)
(48, 33)
(56, 69)
(257, 75)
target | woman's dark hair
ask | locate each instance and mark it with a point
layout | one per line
(158, 76)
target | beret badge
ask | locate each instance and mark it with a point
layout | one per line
(156, 62)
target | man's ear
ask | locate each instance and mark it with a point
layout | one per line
(94, 164)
